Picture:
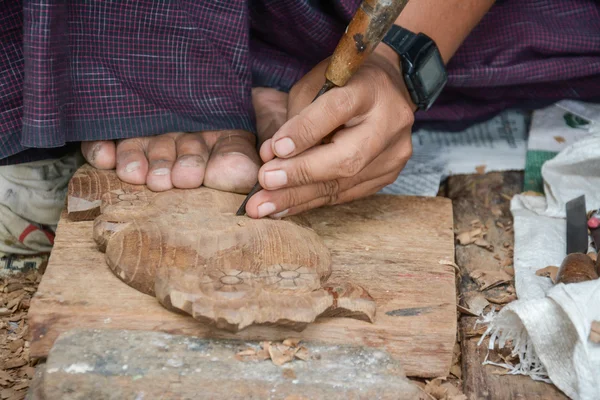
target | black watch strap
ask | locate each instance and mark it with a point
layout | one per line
(399, 39)
(423, 69)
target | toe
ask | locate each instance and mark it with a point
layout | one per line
(100, 154)
(161, 152)
(233, 164)
(132, 165)
(192, 155)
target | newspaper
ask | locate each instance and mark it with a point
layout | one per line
(499, 144)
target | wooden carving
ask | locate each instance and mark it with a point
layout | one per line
(189, 250)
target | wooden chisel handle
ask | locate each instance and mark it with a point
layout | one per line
(368, 27)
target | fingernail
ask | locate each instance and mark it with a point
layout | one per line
(275, 179)
(132, 166)
(161, 171)
(265, 209)
(280, 214)
(284, 146)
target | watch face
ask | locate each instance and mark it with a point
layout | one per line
(431, 73)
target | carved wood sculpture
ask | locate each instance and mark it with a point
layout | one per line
(187, 248)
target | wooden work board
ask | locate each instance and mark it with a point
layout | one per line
(400, 249)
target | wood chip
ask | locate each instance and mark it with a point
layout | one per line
(292, 342)
(499, 224)
(484, 243)
(548, 272)
(6, 393)
(435, 389)
(466, 311)
(595, 332)
(468, 237)
(480, 169)
(451, 264)
(489, 279)
(4, 312)
(496, 211)
(559, 139)
(11, 287)
(302, 354)
(476, 303)
(475, 332)
(509, 269)
(14, 363)
(502, 298)
(281, 354)
(456, 370)
(22, 385)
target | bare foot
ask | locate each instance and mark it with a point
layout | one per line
(223, 160)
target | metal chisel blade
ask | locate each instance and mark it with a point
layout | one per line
(577, 232)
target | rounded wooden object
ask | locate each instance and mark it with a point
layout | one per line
(576, 267)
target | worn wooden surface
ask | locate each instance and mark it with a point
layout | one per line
(487, 198)
(190, 250)
(392, 246)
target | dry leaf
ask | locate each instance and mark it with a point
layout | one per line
(559, 139)
(489, 279)
(549, 272)
(480, 169)
(484, 243)
(468, 237)
(595, 332)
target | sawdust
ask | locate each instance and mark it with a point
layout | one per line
(16, 370)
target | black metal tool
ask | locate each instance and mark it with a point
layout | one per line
(577, 231)
(366, 30)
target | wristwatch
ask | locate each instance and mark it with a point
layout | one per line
(422, 65)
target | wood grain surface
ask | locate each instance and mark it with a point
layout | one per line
(486, 198)
(392, 246)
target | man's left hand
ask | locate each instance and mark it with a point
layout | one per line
(372, 116)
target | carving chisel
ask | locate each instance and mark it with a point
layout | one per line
(366, 30)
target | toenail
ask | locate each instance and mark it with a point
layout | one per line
(280, 214)
(191, 161)
(284, 147)
(275, 179)
(161, 171)
(132, 166)
(265, 209)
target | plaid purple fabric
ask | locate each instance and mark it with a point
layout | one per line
(91, 70)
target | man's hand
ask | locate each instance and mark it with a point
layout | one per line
(374, 115)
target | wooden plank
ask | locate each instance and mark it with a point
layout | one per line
(390, 245)
(486, 198)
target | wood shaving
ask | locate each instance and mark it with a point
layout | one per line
(595, 332)
(475, 332)
(496, 211)
(440, 390)
(480, 169)
(549, 272)
(466, 311)
(502, 298)
(559, 139)
(451, 264)
(476, 303)
(489, 279)
(278, 353)
(484, 243)
(469, 237)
